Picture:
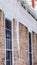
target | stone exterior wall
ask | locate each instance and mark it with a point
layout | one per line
(23, 35)
(23, 38)
(34, 46)
(2, 38)
(15, 44)
(21, 59)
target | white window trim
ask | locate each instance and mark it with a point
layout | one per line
(28, 47)
(5, 41)
(12, 45)
(32, 48)
(18, 41)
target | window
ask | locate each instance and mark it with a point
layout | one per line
(30, 50)
(30, 42)
(8, 34)
(8, 24)
(8, 58)
(8, 42)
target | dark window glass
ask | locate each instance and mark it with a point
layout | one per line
(29, 35)
(8, 24)
(8, 34)
(11, 58)
(7, 62)
(8, 55)
(30, 56)
(29, 42)
(30, 50)
(8, 44)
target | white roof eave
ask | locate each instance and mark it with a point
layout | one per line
(29, 9)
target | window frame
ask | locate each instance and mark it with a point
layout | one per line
(30, 52)
(7, 39)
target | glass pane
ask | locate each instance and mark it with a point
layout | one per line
(30, 42)
(7, 62)
(8, 44)
(8, 24)
(11, 58)
(8, 55)
(30, 58)
(8, 34)
(29, 35)
(30, 46)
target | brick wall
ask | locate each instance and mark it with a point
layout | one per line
(23, 38)
(23, 35)
(1, 38)
(34, 43)
(23, 41)
(15, 44)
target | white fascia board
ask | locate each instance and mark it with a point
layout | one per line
(29, 8)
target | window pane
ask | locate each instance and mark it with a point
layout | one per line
(30, 58)
(30, 46)
(11, 57)
(8, 24)
(29, 42)
(7, 62)
(29, 35)
(8, 34)
(8, 55)
(8, 44)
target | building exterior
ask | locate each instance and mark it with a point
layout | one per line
(18, 34)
